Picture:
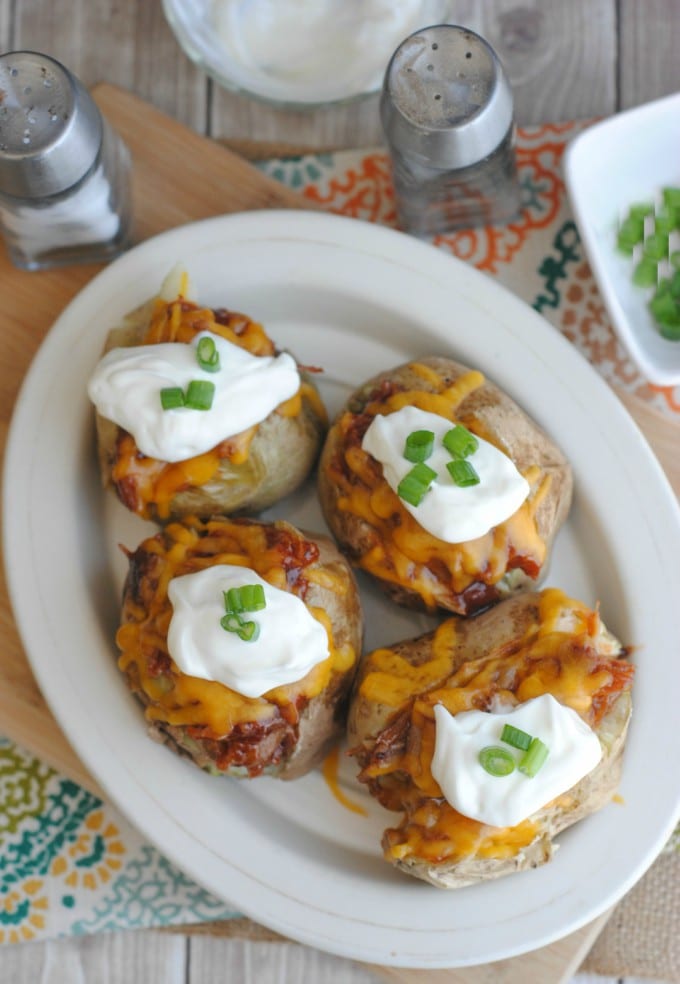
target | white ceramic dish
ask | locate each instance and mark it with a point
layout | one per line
(625, 159)
(355, 299)
(298, 53)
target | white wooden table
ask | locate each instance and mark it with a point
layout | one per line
(566, 60)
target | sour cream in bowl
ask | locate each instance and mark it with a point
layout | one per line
(299, 52)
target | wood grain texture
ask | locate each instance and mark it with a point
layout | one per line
(112, 958)
(560, 57)
(649, 64)
(124, 42)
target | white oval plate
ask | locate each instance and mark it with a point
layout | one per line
(355, 299)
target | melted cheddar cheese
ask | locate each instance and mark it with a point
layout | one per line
(143, 482)
(398, 550)
(206, 709)
(558, 650)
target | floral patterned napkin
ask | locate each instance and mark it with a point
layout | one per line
(70, 864)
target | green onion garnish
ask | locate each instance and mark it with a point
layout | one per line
(656, 246)
(252, 596)
(200, 394)
(232, 600)
(534, 758)
(419, 445)
(462, 473)
(653, 228)
(249, 631)
(645, 273)
(671, 198)
(172, 397)
(414, 486)
(496, 761)
(247, 598)
(207, 355)
(515, 737)
(232, 622)
(459, 442)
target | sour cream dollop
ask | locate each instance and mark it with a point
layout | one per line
(504, 801)
(448, 512)
(290, 643)
(126, 383)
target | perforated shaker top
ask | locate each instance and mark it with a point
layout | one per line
(446, 99)
(50, 128)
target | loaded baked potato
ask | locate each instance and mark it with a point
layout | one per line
(286, 701)
(241, 470)
(465, 566)
(504, 661)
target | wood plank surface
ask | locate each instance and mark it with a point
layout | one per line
(649, 65)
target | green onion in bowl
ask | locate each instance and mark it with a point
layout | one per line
(651, 237)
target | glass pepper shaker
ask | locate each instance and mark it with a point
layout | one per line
(447, 112)
(64, 173)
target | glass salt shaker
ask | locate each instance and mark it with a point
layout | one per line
(447, 113)
(64, 173)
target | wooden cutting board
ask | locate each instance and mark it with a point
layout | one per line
(180, 177)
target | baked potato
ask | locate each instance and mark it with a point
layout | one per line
(243, 473)
(377, 532)
(283, 731)
(533, 644)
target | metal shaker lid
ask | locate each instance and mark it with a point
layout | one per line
(50, 128)
(446, 99)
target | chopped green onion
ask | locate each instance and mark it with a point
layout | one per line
(207, 355)
(459, 442)
(419, 445)
(645, 273)
(671, 198)
(232, 600)
(246, 598)
(249, 631)
(534, 758)
(462, 473)
(664, 223)
(675, 258)
(200, 394)
(252, 598)
(172, 397)
(656, 246)
(640, 209)
(515, 737)
(670, 330)
(665, 306)
(232, 622)
(414, 485)
(631, 232)
(496, 761)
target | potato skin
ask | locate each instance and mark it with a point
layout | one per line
(301, 735)
(369, 719)
(281, 454)
(487, 410)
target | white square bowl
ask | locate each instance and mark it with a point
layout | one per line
(625, 159)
